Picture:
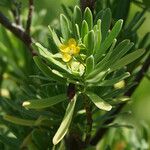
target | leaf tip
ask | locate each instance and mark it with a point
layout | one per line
(26, 103)
(106, 106)
(55, 142)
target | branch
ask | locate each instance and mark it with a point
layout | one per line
(89, 119)
(29, 19)
(17, 31)
(101, 132)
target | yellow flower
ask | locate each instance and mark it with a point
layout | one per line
(69, 49)
(66, 57)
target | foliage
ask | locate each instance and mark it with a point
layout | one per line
(83, 68)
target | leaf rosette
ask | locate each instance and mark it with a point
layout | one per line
(87, 55)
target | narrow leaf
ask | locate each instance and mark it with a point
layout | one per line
(106, 21)
(114, 80)
(127, 59)
(77, 31)
(90, 43)
(95, 78)
(88, 17)
(64, 24)
(100, 65)
(98, 101)
(44, 103)
(97, 41)
(54, 37)
(19, 121)
(48, 71)
(77, 16)
(89, 64)
(99, 15)
(84, 29)
(119, 52)
(67, 11)
(64, 126)
(112, 35)
(49, 57)
(53, 47)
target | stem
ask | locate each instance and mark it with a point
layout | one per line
(17, 31)
(30, 13)
(88, 110)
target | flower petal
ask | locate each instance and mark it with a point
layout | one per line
(72, 41)
(66, 57)
(64, 49)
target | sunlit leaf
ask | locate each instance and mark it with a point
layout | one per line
(98, 101)
(44, 103)
(64, 126)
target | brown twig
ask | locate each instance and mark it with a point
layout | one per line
(30, 13)
(101, 132)
(89, 119)
(17, 31)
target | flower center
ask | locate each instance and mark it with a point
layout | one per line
(69, 50)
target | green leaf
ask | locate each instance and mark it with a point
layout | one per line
(49, 57)
(77, 16)
(89, 64)
(54, 37)
(53, 47)
(99, 24)
(97, 41)
(67, 11)
(127, 59)
(19, 121)
(88, 17)
(104, 61)
(48, 71)
(77, 31)
(84, 29)
(64, 126)
(138, 25)
(64, 25)
(106, 22)
(121, 49)
(134, 21)
(114, 80)
(90, 43)
(44, 103)
(119, 52)
(99, 15)
(98, 101)
(96, 77)
(110, 38)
